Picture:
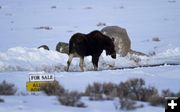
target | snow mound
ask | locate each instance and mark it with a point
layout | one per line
(33, 59)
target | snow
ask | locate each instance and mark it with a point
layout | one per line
(143, 20)
(33, 59)
(29, 104)
(79, 81)
(19, 18)
(164, 77)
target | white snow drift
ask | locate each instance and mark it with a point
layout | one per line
(32, 59)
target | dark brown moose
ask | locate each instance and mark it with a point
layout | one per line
(92, 44)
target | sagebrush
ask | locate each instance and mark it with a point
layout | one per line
(65, 97)
(1, 100)
(71, 98)
(98, 91)
(53, 88)
(7, 88)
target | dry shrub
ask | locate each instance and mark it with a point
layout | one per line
(71, 99)
(88, 8)
(110, 90)
(135, 89)
(178, 94)
(123, 90)
(53, 88)
(43, 28)
(64, 96)
(98, 91)
(156, 39)
(96, 97)
(1, 100)
(148, 93)
(131, 89)
(168, 93)
(156, 100)
(53, 7)
(128, 91)
(127, 104)
(7, 88)
(95, 88)
(94, 91)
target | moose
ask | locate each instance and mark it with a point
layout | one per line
(91, 44)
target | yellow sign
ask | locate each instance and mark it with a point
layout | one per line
(34, 86)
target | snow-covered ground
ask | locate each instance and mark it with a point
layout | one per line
(164, 77)
(34, 104)
(33, 59)
(143, 19)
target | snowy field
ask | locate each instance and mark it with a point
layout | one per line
(144, 20)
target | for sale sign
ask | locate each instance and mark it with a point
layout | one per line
(40, 76)
(34, 86)
(37, 79)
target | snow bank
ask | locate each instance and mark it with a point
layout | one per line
(21, 59)
(32, 59)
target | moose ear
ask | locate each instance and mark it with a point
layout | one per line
(113, 39)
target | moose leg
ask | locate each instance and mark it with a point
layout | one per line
(95, 60)
(69, 61)
(81, 63)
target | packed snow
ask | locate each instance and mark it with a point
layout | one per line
(25, 25)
